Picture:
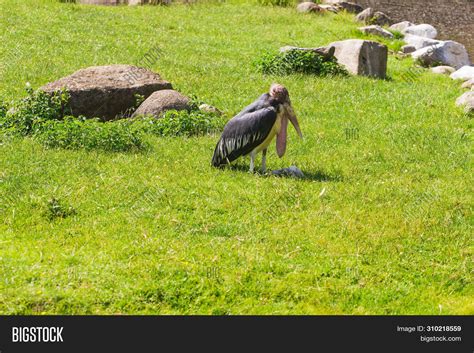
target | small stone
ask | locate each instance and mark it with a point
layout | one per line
(366, 15)
(326, 52)
(162, 101)
(381, 19)
(407, 49)
(419, 42)
(400, 26)
(329, 8)
(423, 30)
(464, 73)
(372, 17)
(376, 30)
(466, 100)
(308, 7)
(348, 6)
(443, 70)
(468, 84)
(206, 108)
(292, 171)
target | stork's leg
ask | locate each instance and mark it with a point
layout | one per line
(264, 160)
(252, 161)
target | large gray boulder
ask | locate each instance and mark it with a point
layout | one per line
(464, 73)
(362, 57)
(423, 30)
(400, 26)
(376, 30)
(448, 53)
(372, 17)
(419, 42)
(466, 101)
(162, 101)
(107, 92)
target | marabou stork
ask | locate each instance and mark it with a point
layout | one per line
(252, 130)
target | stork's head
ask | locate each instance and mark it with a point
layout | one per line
(280, 93)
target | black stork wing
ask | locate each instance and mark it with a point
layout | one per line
(244, 133)
(263, 101)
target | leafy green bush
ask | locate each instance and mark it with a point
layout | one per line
(182, 123)
(74, 133)
(27, 115)
(298, 61)
(41, 116)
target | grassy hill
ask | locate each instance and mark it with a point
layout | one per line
(382, 223)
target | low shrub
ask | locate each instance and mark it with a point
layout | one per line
(299, 61)
(75, 133)
(182, 123)
(42, 116)
(283, 3)
(25, 116)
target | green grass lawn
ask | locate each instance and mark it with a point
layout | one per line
(382, 223)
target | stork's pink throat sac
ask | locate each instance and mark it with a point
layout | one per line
(281, 136)
(288, 114)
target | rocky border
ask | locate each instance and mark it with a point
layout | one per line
(444, 57)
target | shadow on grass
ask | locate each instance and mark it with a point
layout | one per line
(320, 175)
(237, 167)
(316, 175)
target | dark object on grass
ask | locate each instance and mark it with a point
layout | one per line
(57, 209)
(292, 171)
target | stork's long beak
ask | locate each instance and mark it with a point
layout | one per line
(294, 121)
